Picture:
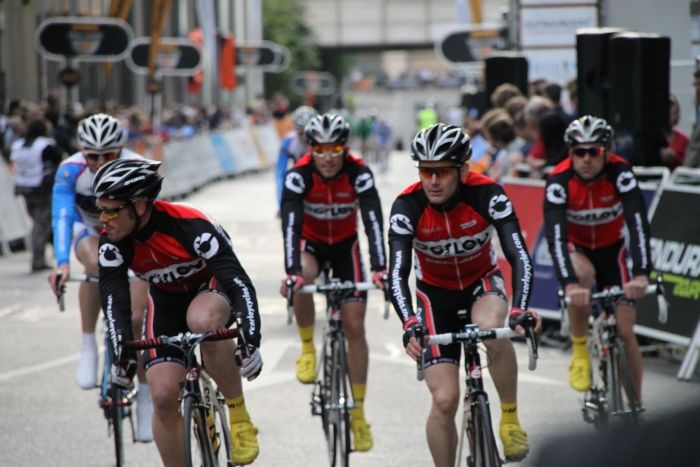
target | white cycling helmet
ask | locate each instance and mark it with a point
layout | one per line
(328, 128)
(589, 130)
(99, 132)
(127, 179)
(302, 115)
(441, 142)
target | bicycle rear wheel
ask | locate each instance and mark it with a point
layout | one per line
(484, 450)
(197, 445)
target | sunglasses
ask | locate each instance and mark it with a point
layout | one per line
(108, 155)
(593, 152)
(333, 151)
(111, 213)
(440, 172)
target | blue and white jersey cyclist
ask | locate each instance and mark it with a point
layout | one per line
(75, 222)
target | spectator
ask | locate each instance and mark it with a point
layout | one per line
(503, 93)
(35, 159)
(672, 155)
(692, 154)
(499, 130)
(535, 109)
(515, 105)
(572, 89)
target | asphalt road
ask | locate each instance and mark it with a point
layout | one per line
(45, 419)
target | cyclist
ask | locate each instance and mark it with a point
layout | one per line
(75, 219)
(321, 196)
(196, 281)
(447, 219)
(293, 145)
(589, 198)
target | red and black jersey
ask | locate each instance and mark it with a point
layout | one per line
(593, 213)
(178, 250)
(452, 242)
(325, 210)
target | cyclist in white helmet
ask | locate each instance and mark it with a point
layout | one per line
(75, 221)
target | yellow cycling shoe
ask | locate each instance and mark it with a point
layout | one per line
(244, 443)
(306, 367)
(580, 374)
(361, 434)
(514, 439)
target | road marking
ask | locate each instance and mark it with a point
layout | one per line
(8, 375)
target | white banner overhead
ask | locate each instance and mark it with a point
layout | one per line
(555, 26)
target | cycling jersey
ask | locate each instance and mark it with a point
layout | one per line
(452, 242)
(291, 150)
(178, 250)
(592, 214)
(72, 201)
(325, 211)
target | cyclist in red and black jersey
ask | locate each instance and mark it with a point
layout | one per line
(321, 197)
(447, 220)
(195, 282)
(590, 197)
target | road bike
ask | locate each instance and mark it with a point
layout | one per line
(115, 401)
(612, 393)
(332, 397)
(207, 437)
(476, 416)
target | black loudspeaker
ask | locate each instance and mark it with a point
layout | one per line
(639, 67)
(505, 68)
(592, 70)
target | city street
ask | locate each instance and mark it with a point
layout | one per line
(45, 419)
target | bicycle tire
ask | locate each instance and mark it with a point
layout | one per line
(116, 415)
(343, 411)
(197, 445)
(632, 407)
(222, 455)
(337, 416)
(485, 452)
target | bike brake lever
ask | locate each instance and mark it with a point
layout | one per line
(61, 293)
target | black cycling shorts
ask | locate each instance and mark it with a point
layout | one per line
(438, 309)
(345, 261)
(610, 264)
(167, 315)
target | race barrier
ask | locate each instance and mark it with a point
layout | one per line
(675, 245)
(188, 165)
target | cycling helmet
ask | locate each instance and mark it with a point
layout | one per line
(327, 129)
(441, 142)
(127, 179)
(302, 115)
(99, 132)
(588, 129)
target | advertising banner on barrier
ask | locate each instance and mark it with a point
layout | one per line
(675, 249)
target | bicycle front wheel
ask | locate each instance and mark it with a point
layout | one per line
(116, 416)
(484, 450)
(629, 410)
(220, 431)
(197, 445)
(338, 415)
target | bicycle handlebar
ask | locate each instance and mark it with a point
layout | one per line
(184, 339)
(90, 278)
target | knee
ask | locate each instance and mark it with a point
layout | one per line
(201, 322)
(445, 403)
(354, 329)
(165, 401)
(586, 275)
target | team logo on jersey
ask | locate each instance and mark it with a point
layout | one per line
(206, 245)
(401, 224)
(364, 182)
(556, 194)
(110, 257)
(595, 216)
(625, 181)
(500, 207)
(294, 182)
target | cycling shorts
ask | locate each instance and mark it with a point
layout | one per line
(80, 231)
(345, 261)
(609, 263)
(439, 309)
(167, 315)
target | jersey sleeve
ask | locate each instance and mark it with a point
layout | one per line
(635, 212)
(371, 211)
(292, 212)
(63, 210)
(114, 260)
(282, 164)
(555, 224)
(401, 234)
(502, 215)
(210, 242)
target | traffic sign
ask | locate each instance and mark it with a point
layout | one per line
(94, 39)
(470, 44)
(176, 56)
(262, 55)
(321, 83)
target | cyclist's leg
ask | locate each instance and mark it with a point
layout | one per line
(626, 317)
(164, 378)
(579, 368)
(210, 310)
(144, 407)
(86, 245)
(305, 316)
(443, 382)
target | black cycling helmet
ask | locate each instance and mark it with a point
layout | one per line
(302, 115)
(441, 142)
(99, 132)
(588, 130)
(328, 128)
(126, 179)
